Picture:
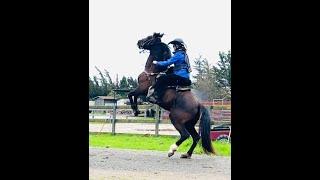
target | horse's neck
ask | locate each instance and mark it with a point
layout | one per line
(158, 53)
(150, 67)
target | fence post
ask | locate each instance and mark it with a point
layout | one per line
(229, 134)
(114, 114)
(157, 120)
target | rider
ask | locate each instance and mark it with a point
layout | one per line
(180, 75)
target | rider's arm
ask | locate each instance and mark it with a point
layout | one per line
(172, 60)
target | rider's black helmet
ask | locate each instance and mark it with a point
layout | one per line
(179, 42)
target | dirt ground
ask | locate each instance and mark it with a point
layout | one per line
(119, 164)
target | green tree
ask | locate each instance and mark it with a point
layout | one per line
(103, 86)
(97, 91)
(223, 73)
(123, 83)
(91, 88)
(132, 83)
(112, 85)
(207, 80)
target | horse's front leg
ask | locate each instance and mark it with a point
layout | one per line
(133, 102)
(137, 112)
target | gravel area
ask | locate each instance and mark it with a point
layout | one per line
(107, 163)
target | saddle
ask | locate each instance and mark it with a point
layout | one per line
(151, 97)
(180, 88)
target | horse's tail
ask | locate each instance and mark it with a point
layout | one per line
(204, 130)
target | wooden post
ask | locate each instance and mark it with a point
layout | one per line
(157, 120)
(229, 134)
(114, 114)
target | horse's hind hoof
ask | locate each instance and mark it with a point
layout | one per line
(185, 156)
(170, 154)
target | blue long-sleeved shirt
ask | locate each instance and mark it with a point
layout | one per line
(177, 59)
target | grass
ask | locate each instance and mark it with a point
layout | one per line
(150, 142)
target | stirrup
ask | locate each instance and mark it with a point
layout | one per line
(150, 91)
(183, 88)
(152, 100)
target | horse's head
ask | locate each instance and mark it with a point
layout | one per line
(148, 42)
(159, 51)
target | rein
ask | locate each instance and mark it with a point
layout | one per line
(142, 51)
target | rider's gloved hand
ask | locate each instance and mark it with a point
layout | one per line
(155, 62)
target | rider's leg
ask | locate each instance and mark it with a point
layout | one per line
(152, 93)
(168, 80)
(184, 81)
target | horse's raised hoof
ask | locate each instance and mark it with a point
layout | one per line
(185, 156)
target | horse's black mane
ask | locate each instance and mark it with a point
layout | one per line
(161, 51)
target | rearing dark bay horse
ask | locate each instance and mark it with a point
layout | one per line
(158, 51)
(185, 110)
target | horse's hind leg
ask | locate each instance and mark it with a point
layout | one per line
(183, 136)
(195, 136)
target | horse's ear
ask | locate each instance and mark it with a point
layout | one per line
(158, 35)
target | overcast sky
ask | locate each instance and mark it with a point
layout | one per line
(117, 25)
